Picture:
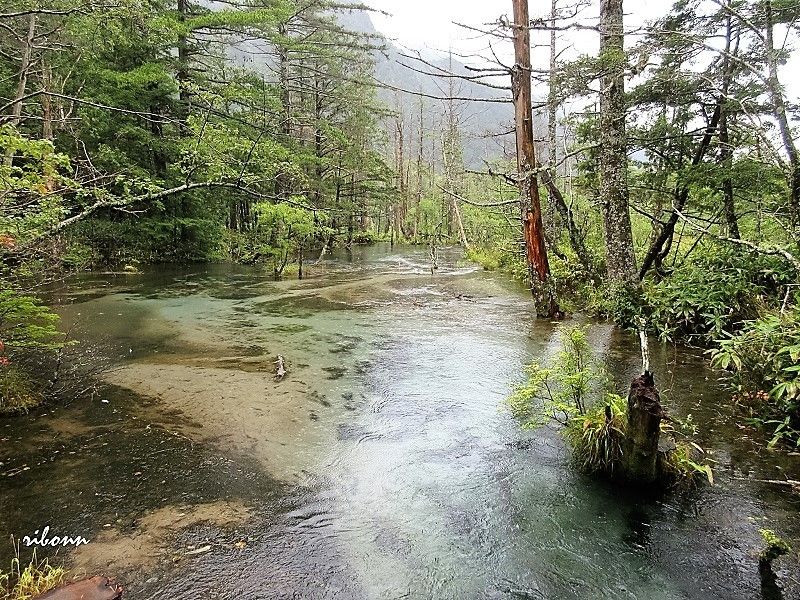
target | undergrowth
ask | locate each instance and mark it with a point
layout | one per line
(36, 578)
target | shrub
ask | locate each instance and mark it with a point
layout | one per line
(25, 326)
(559, 393)
(762, 361)
(17, 391)
(26, 323)
(705, 297)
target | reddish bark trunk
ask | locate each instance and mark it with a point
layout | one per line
(530, 202)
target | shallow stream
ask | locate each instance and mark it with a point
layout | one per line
(384, 465)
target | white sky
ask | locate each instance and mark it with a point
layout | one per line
(429, 23)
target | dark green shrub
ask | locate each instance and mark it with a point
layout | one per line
(762, 360)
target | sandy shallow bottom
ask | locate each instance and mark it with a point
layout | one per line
(239, 411)
(152, 541)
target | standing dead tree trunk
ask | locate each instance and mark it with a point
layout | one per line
(640, 455)
(530, 202)
(620, 258)
(643, 429)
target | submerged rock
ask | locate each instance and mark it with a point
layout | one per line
(94, 588)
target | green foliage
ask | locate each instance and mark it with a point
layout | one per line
(711, 294)
(282, 232)
(561, 392)
(28, 183)
(682, 466)
(26, 324)
(597, 437)
(38, 577)
(774, 546)
(762, 360)
(497, 259)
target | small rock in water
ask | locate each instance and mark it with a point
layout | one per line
(96, 588)
(200, 550)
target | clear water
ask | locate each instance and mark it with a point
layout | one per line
(386, 464)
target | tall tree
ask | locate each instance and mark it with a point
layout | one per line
(529, 200)
(620, 257)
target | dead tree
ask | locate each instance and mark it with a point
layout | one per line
(530, 202)
(640, 455)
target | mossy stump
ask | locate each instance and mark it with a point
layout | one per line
(640, 457)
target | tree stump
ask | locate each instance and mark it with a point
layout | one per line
(644, 419)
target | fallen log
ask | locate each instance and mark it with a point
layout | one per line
(94, 588)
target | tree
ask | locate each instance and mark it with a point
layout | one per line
(620, 257)
(530, 203)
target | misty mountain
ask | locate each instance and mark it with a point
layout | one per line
(482, 123)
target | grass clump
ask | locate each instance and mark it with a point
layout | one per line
(18, 394)
(36, 578)
(597, 437)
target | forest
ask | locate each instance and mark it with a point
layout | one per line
(242, 182)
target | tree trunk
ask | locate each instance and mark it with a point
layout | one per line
(620, 258)
(418, 199)
(530, 203)
(47, 102)
(779, 107)
(640, 456)
(576, 237)
(22, 83)
(182, 73)
(726, 150)
(549, 177)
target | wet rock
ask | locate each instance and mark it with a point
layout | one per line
(95, 588)
(335, 372)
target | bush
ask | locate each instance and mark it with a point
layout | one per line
(762, 360)
(17, 391)
(26, 323)
(701, 300)
(559, 393)
(25, 326)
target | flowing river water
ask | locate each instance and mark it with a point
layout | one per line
(384, 465)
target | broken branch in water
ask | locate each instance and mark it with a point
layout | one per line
(643, 343)
(281, 370)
